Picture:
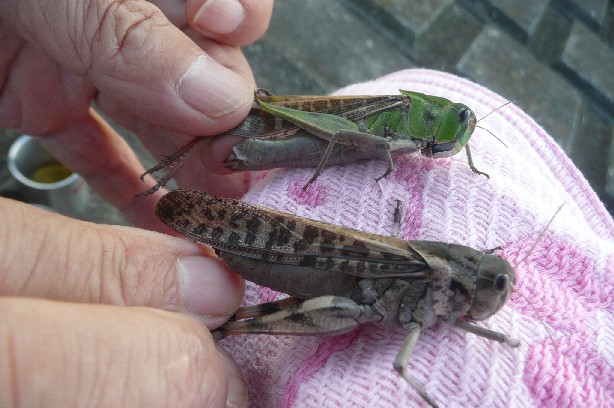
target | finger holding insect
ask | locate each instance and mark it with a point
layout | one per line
(111, 265)
(84, 296)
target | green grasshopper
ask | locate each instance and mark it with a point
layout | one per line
(339, 277)
(313, 131)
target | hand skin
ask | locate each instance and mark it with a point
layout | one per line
(168, 70)
(96, 315)
(99, 315)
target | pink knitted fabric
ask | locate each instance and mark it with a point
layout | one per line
(568, 277)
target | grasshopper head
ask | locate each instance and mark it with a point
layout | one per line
(494, 284)
(455, 129)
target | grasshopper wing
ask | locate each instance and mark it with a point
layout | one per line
(275, 237)
(262, 125)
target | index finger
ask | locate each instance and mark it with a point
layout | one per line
(50, 256)
(233, 22)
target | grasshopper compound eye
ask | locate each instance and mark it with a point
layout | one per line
(501, 282)
(463, 116)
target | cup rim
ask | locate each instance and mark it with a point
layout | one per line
(15, 172)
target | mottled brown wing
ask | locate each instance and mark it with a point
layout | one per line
(263, 125)
(275, 237)
(351, 107)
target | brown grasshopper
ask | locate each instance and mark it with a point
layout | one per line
(338, 278)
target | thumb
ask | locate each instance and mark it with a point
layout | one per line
(137, 60)
(59, 354)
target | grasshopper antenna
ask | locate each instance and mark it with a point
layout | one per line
(535, 311)
(495, 136)
(494, 110)
(539, 237)
(487, 115)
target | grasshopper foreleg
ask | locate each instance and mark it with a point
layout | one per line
(402, 360)
(486, 333)
(470, 162)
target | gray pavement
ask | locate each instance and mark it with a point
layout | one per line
(554, 58)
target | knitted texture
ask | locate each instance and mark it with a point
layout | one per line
(565, 283)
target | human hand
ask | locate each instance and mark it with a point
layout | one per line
(167, 70)
(97, 315)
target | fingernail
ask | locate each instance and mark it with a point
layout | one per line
(208, 287)
(212, 89)
(237, 389)
(219, 16)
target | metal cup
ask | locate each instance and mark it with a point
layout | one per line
(44, 180)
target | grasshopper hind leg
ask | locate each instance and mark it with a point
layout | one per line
(324, 315)
(170, 164)
(263, 309)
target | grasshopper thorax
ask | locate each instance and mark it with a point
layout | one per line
(466, 283)
(494, 284)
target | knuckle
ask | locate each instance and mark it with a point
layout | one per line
(123, 27)
(145, 277)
